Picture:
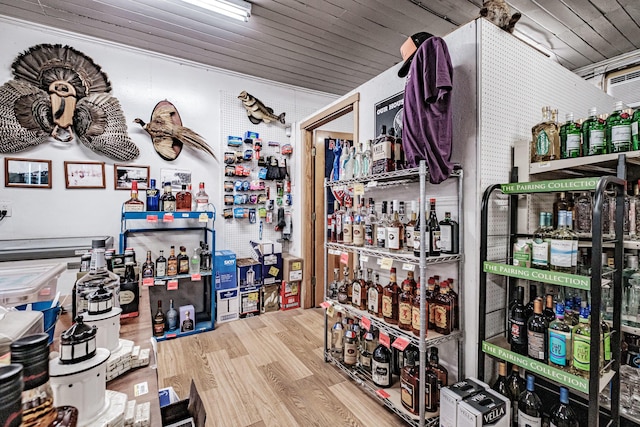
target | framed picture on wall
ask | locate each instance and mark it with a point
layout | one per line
(27, 173)
(124, 175)
(84, 175)
(176, 177)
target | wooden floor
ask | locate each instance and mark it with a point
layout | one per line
(268, 371)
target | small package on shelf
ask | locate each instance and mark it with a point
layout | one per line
(485, 408)
(270, 298)
(227, 305)
(289, 295)
(452, 395)
(225, 267)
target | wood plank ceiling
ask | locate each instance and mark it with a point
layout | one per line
(330, 45)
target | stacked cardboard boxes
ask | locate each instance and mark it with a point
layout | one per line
(290, 288)
(227, 292)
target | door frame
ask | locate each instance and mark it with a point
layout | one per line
(313, 279)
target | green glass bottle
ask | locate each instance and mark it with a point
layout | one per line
(560, 351)
(618, 130)
(570, 138)
(593, 135)
(581, 345)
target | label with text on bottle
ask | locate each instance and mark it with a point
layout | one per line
(540, 253)
(573, 144)
(404, 316)
(387, 306)
(372, 300)
(581, 352)
(446, 239)
(380, 373)
(393, 237)
(407, 392)
(536, 345)
(525, 420)
(561, 252)
(558, 341)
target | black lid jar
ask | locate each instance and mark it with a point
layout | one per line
(11, 395)
(78, 343)
(32, 352)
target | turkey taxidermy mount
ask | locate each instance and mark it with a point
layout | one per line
(167, 133)
(61, 93)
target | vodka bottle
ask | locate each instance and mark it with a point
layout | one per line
(381, 228)
(172, 317)
(347, 227)
(153, 196)
(359, 224)
(339, 223)
(618, 130)
(344, 159)
(202, 199)
(337, 337)
(593, 135)
(370, 222)
(570, 138)
(366, 160)
(357, 160)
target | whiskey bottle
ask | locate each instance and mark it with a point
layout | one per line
(381, 227)
(161, 265)
(347, 226)
(374, 297)
(432, 394)
(153, 196)
(158, 321)
(382, 154)
(390, 296)
(381, 367)
(183, 200)
(350, 348)
(187, 324)
(434, 230)
(405, 302)
(370, 222)
(148, 268)
(449, 235)
(593, 135)
(415, 312)
(537, 326)
(560, 350)
(398, 152)
(337, 338)
(358, 224)
(133, 204)
(454, 299)
(410, 227)
(443, 311)
(205, 258)
(417, 238)
(342, 290)
(332, 223)
(357, 291)
(440, 371)
(546, 141)
(395, 230)
(183, 261)
(366, 350)
(431, 295)
(168, 200)
(172, 262)
(410, 384)
(332, 292)
(348, 284)
(172, 317)
(570, 138)
(618, 130)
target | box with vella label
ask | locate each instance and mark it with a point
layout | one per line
(452, 395)
(486, 408)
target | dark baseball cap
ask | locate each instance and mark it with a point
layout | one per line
(408, 50)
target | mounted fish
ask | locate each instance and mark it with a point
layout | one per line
(167, 133)
(60, 92)
(257, 111)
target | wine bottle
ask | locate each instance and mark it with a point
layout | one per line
(560, 350)
(530, 406)
(516, 385)
(537, 339)
(517, 324)
(501, 383)
(563, 415)
(533, 294)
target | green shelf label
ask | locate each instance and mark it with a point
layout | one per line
(579, 184)
(546, 276)
(538, 368)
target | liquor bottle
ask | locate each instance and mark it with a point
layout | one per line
(382, 154)
(172, 262)
(347, 225)
(560, 348)
(148, 268)
(560, 204)
(546, 139)
(194, 262)
(516, 385)
(374, 297)
(453, 297)
(332, 223)
(370, 222)
(161, 265)
(634, 211)
(158, 321)
(344, 159)
(441, 371)
(347, 161)
(337, 338)
(187, 324)
(348, 284)
(562, 246)
(593, 135)
(608, 215)
(153, 196)
(395, 230)
(350, 348)
(540, 245)
(342, 291)
(581, 343)
(168, 200)
(205, 258)
(357, 160)
(570, 138)
(627, 210)
(183, 261)
(172, 317)
(367, 161)
(398, 152)
(366, 350)
(404, 302)
(402, 214)
(410, 227)
(537, 339)
(410, 384)
(434, 230)
(381, 367)
(618, 130)
(533, 294)
(381, 228)
(133, 204)
(332, 289)
(415, 312)
(449, 235)
(563, 415)
(357, 291)
(432, 393)
(417, 237)
(501, 385)
(358, 224)
(339, 222)
(530, 406)
(517, 324)
(431, 295)
(390, 296)
(583, 213)
(202, 199)
(548, 312)
(443, 311)
(98, 275)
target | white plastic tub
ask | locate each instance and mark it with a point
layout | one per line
(25, 284)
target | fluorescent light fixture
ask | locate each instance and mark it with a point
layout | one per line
(237, 9)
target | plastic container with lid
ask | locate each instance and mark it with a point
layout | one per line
(29, 284)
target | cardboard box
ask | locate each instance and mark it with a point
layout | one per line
(270, 298)
(225, 270)
(289, 295)
(452, 395)
(249, 301)
(292, 268)
(167, 396)
(483, 409)
(269, 255)
(248, 268)
(227, 305)
(191, 408)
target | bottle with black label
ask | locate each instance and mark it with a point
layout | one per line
(161, 265)
(433, 225)
(518, 324)
(366, 350)
(148, 268)
(537, 339)
(381, 367)
(350, 348)
(449, 235)
(159, 321)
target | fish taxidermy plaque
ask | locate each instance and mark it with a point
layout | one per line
(257, 111)
(168, 135)
(61, 93)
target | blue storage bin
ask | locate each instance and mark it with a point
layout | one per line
(50, 315)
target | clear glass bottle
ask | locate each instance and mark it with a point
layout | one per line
(395, 230)
(381, 227)
(346, 167)
(357, 160)
(634, 213)
(540, 246)
(347, 226)
(366, 160)
(562, 244)
(168, 200)
(202, 199)
(618, 130)
(581, 345)
(546, 138)
(333, 286)
(584, 213)
(366, 350)
(153, 197)
(574, 237)
(593, 135)
(570, 138)
(357, 291)
(172, 317)
(98, 275)
(370, 222)
(358, 223)
(343, 297)
(194, 262)
(134, 204)
(350, 348)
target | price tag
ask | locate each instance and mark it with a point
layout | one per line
(273, 271)
(334, 252)
(196, 277)
(169, 336)
(344, 258)
(358, 189)
(148, 281)
(140, 389)
(372, 184)
(383, 394)
(159, 283)
(203, 217)
(168, 217)
(325, 304)
(408, 267)
(386, 263)
(152, 218)
(364, 258)
(384, 339)
(365, 322)
(253, 296)
(379, 261)
(330, 311)
(401, 343)
(172, 285)
(544, 165)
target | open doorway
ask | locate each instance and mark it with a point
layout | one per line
(314, 132)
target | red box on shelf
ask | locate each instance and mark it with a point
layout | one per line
(289, 295)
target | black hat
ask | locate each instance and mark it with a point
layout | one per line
(408, 50)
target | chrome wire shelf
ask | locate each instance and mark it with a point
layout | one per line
(406, 257)
(411, 174)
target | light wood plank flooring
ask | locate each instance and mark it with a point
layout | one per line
(268, 371)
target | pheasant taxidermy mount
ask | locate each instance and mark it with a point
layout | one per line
(499, 12)
(60, 92)
(168, 135)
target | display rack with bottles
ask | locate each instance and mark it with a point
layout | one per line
(391, 397)
(590, 383)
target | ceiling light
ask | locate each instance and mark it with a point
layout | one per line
(237, 9)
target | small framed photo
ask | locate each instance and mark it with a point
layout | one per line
(176, 177)
(124, 175)
(84, 175)
(27, 173)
